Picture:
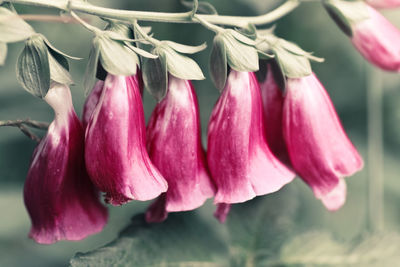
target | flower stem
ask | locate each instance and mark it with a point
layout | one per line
(185, 17)
(375, 150)
(23, 126)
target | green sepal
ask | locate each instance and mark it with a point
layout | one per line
(3, 53)
(33, 68)
(91, 68)
(58, 72)
(185, 49)
(347, 13)
(218, 63)
(12, 27)
(155, 77)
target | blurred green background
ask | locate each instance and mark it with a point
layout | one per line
(344, 74)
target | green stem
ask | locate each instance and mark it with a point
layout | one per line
(375, 150)
(22, 125)
(186, 17)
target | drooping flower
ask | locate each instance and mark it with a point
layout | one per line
(378, 41)
(384, 3)
(319, 149)
(61, 200)
(239, 159)
(272, 98)
(174, 146)
(115, 148)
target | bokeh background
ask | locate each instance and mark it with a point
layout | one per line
(344, 73)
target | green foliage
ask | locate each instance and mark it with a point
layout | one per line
(12, 27)
(3, 53)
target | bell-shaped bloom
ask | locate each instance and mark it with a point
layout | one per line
(174, 147)
(378, 41)
(319, 149)
(115, 146)
(239, 159)
(94, 96)
(272, 98)
(61, 200)
(384, 3)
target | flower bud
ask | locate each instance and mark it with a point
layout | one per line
(174, 146)
(115, 149)
(272, 98)
(384, 3)
(318, 147)
(239, 159)
(61, 200)
(378, 41)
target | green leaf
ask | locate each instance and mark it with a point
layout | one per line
(155, 77)
(185, 49)
(3, 53)
(12, 27)
(218, 63)
(91, 68)
(116, 58)
(240, 56)
(33, 70)
(183, 240)
(320, 249)
(58, 72)
(179, 65)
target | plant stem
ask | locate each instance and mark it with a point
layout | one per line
(22, 125)
(375, 150)
(186, 17)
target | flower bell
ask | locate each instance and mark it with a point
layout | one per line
(239, 159)
(115, 148)
(272, 98)
(319, 149)
(174, 146)
(61, 200)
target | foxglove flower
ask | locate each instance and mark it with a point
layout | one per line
(61, 200)
(378, 41)
(272, 98)
(115, 148)
(318, 147)
(174, 146)
(239, 159)
(384, 3)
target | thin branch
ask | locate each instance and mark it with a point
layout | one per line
(28, 122)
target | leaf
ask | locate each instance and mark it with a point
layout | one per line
(12, 27)
(185, 49)
(3, 53)
(33, 70)
(91, 68)
(57, 71)
(155, 77)
(179, 65)
(320, 249)
(116, 58)
(218, 64)
(183, 240)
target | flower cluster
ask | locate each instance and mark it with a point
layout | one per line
(261, 133)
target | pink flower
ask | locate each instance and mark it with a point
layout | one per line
(378, 41)
(239, 159)
(174, 146)
(272, 98)
(61, 200)
(222, 211)
(384, 3)
(115, 149)
(319, 149)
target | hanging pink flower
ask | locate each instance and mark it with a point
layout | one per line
(319, 149)
(115, 149)
(239, 159)
(378, 41)
(272, 98)
(61, 200)
(384, 3)
(174, 146)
